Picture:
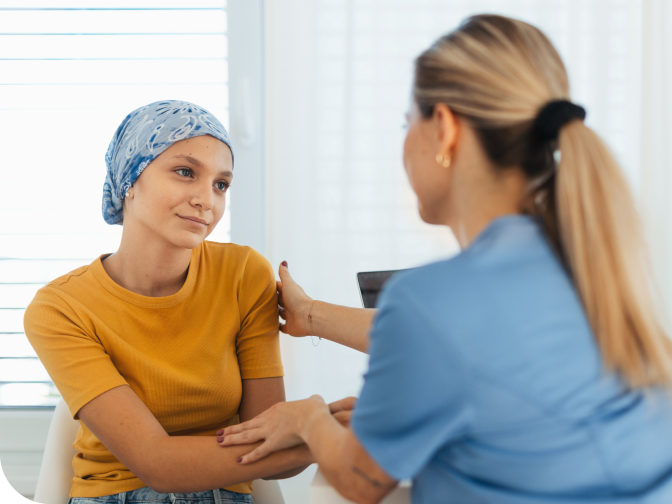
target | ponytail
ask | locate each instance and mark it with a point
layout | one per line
(602, 242)
(498, 73)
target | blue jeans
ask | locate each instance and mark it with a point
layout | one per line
(146, 495)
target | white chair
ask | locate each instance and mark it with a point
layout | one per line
(56, 473)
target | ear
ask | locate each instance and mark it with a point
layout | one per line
(447, 129)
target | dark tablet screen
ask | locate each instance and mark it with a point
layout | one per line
(370, 283)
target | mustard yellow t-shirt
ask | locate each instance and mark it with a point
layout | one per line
(184, 355)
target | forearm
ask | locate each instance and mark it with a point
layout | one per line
(286, 474)
(342, 324)
(344, 463)
(198, 463)
(325, 440)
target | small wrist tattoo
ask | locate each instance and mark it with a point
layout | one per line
(370, 480)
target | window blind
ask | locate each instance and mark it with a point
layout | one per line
(69, 73)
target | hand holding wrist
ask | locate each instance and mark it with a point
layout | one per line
(317, 410)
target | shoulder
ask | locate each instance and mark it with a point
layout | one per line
(416, 314)
(432, 281)
(511, 251)
(71, 280)
(231, 256)
(70, 284)
(53, 303)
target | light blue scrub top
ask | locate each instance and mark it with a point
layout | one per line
(485, 385)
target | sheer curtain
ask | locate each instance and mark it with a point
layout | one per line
(656, 144)
(338, 83)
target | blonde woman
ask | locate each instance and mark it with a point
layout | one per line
(531, 367)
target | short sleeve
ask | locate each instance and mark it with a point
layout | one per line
(76, 361)
(413, 400)
(258, 343)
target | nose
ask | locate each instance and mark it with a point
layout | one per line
(203, 197)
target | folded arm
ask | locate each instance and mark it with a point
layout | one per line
(259, 395)
(124, 424)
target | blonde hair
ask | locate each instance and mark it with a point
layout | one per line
(498, 73)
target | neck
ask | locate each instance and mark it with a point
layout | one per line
(467, 229)
(487, 200)
(149, 267)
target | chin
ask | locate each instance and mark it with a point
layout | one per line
(426, 216)
(186, 240)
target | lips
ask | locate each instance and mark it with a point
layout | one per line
(194, 219)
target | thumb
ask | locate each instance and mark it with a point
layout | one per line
(283, 271)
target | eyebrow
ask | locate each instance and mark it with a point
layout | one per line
(196, 162)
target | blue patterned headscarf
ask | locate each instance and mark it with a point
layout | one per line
(142, 136)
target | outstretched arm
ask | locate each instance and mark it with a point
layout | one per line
(124, 424)
(342, 459)
(307, 317)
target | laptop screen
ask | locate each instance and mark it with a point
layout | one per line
(370, 284)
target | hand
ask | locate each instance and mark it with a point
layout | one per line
(280, 426)
(342, 410)
(294, 305)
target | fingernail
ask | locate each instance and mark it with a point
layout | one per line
(284, 263)
(220, 439)
(239, 459)
(220, 432)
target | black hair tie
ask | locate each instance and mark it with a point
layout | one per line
(553, 116)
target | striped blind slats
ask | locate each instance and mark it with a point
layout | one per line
(58, 245)
(120, 22)
(11, 320)
(111, 46)
(105, 72)
(22, 370)
(37, 270)
(132, 5)
(17, 295)
(15, 345)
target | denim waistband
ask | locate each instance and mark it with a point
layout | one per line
(146, 495)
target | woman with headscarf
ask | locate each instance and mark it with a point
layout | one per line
(532, 367)
(158, 345)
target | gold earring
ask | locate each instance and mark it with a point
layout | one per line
(443, 161)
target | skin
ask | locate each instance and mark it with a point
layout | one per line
(465, 196)
(187, 181)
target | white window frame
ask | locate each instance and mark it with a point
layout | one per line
(246, 123)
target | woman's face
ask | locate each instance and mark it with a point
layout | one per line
(180, 196)
(430, 181)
